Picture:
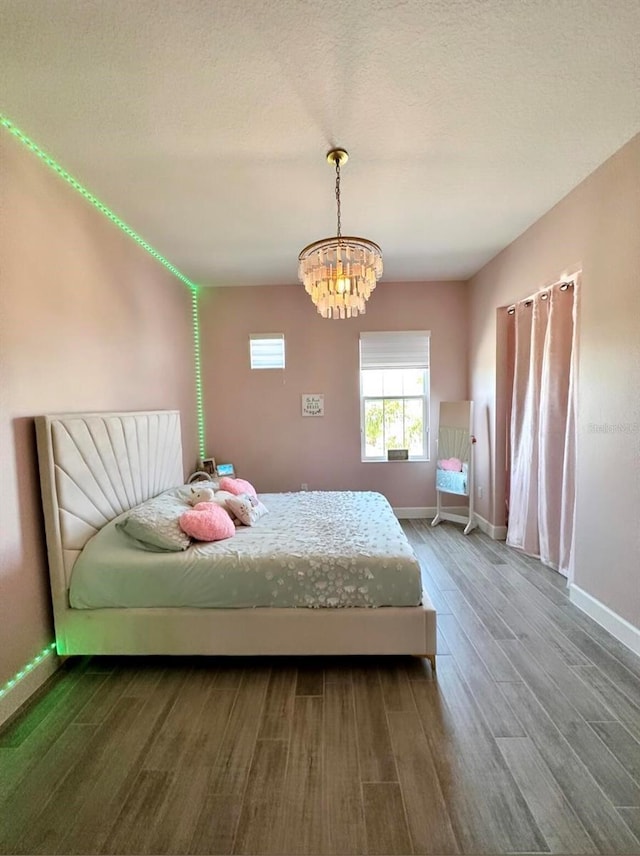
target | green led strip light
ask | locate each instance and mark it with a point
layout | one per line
(50, 162)
(28, 668)
(195, 311)
(92, 199)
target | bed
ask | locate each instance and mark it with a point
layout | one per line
(95, 467)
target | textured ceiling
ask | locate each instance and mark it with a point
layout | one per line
(204, 123)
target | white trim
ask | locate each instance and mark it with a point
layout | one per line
(498, 533)
(414, 513)
(23, 689)
(397, 349)
(402, 461)
(424, 512)
(274, 344)
(617, 626)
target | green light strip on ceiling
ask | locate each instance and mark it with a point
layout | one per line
(92, 199)
(26, 669)
(50, 162)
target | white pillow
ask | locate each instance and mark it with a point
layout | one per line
(247, 509)
(154, 523)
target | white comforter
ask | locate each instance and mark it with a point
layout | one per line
(313, 549)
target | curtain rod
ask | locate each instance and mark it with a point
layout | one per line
(565, 284)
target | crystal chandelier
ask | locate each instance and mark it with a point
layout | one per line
(340, 273)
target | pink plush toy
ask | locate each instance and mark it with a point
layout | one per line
(201, 494)
(452, 464)
(208, 521)
(237, 486)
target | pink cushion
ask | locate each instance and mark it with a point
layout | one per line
(451, 464)
(237, 486)
(207, 521)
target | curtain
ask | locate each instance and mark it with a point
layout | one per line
(542, 431)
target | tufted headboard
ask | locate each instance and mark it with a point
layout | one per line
(93, 467)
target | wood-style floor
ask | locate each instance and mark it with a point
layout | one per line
(527, 741)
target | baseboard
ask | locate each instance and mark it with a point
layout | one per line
(414, 513)
(498, 533)
(15, 696)
(617, 626)
(427, 512)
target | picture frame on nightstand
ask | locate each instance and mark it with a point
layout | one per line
(208, 466)
(225, 470)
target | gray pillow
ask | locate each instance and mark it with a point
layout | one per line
(155, 523)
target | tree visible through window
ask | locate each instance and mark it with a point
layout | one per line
(394, 386)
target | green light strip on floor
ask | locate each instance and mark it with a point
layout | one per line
(26, 669)
(50, 162)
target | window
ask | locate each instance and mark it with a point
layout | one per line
(266, 350)
(394, 394)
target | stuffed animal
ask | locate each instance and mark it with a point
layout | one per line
(452, 464)
(219, 497)
(201, 494)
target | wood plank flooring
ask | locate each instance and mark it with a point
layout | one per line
(526, 741)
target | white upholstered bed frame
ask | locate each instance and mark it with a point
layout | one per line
(93, 467)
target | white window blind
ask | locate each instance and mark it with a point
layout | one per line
(266, 350)
(402, 350)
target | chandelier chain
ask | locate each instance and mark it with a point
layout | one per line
(338, 196)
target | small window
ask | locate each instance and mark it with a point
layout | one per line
(394, 394)
(266, 350)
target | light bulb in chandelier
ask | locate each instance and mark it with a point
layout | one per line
(340, 273)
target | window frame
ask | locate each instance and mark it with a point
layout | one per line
(425, 398)
(258, 337)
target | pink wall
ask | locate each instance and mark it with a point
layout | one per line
(595, 228)
(253, 418)
(88, 321)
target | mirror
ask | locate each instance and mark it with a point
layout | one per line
(454, 470)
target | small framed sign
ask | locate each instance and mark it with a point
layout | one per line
(312, 404)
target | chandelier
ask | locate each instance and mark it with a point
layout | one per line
(340, 273)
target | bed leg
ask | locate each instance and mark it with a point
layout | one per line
(432, 659)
